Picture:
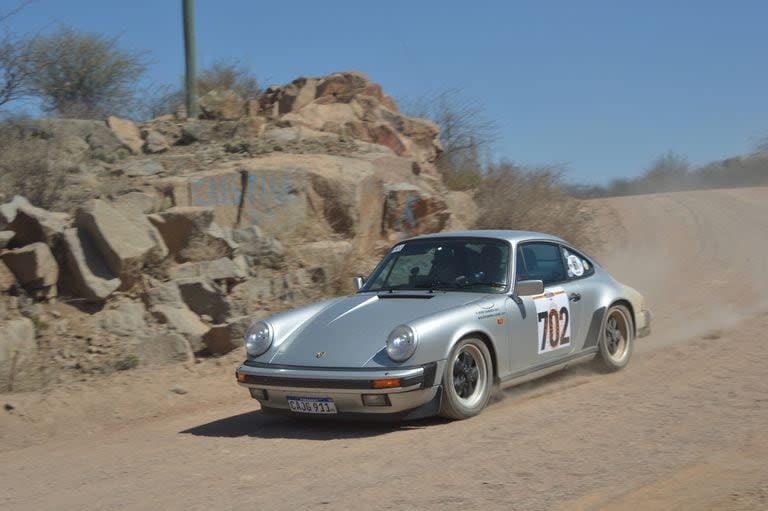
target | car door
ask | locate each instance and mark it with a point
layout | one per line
(585, 296)
(546, 326)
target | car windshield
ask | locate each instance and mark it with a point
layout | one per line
(476, 265)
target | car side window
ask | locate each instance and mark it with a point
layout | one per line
(577, 266)
(540, 261)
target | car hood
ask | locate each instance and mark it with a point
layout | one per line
(351, 331)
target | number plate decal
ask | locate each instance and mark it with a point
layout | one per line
(320, 405)
(554, 315)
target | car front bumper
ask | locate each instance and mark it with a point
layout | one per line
(417, 394)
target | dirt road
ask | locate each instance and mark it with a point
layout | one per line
(683, 427)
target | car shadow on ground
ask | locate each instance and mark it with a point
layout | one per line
(266, 425)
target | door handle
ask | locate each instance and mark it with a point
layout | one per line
(574, 297)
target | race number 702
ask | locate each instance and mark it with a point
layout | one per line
(555, 331)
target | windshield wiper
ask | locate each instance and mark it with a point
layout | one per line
(495, 285)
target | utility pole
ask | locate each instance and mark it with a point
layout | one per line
(190, 56)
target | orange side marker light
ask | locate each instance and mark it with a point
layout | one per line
(385, 384)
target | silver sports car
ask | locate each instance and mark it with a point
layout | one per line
(441, 322)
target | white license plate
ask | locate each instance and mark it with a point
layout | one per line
(311, 404)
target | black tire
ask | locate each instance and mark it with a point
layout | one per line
(467, 379)
(616, 339)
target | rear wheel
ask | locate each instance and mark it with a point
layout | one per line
(467, 379)
(616, 338)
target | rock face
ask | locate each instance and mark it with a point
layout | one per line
(125, 245)
(35, 268)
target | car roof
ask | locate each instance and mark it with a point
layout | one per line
(507, 235)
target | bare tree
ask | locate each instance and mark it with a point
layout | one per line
(84, 75)
(14, 56)
(14, 70)
(465, 134)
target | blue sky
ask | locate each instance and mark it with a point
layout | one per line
(600, 86)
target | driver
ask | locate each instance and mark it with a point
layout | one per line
(491, 269)
(444, 267)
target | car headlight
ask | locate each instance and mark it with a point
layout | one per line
(258, 339)
(401, 343)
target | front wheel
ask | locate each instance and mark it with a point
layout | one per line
(616, 338)
(467, 380)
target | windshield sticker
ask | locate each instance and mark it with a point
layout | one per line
(575, 267)
(554, 315)
(397, 248)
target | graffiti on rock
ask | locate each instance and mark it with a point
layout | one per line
(257, 197)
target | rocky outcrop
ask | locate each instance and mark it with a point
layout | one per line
(184, 231)
(349, 104)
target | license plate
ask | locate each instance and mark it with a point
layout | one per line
(311, 404)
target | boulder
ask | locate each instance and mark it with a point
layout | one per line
(163, 349)
(5, 238)
(124, 319)
(35, 268)
(222, 270)
(30, 223)
(137, 203)
(221, 339)
(257, 248)
(143, 168)
(164, 293)
(327, 254)
(184, 321)
(194, 131)
(17, 342)
(190, 234)
(154, 141)
(126, 244)
(251, 127)
(204, 298)
(89, 276)
(222, 105)
(126, 132)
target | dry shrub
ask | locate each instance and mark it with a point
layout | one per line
(26, 167)
(533, 199)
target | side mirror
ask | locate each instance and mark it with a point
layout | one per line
(529, 287)
(358, 281)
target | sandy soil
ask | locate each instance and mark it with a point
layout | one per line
(683, 427)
